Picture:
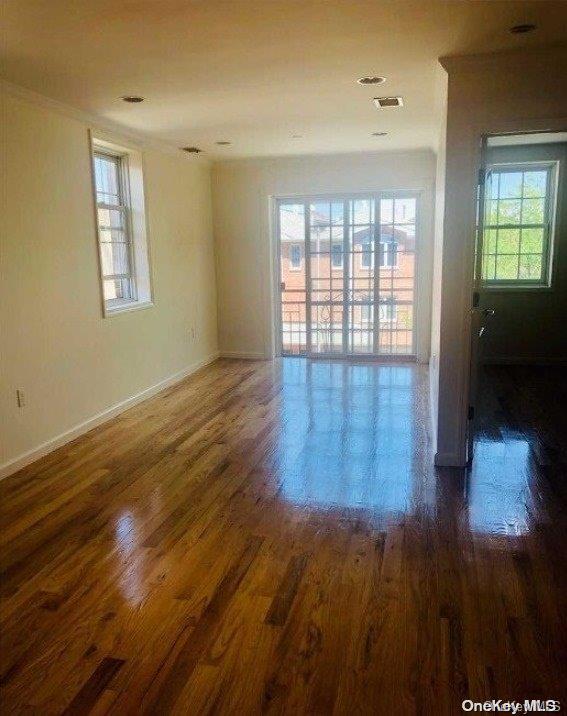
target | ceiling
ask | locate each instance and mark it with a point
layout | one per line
(256, 73)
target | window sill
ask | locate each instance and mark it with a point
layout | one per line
(127, 307)
(517, 289)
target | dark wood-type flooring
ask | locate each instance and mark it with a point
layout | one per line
(271, 537)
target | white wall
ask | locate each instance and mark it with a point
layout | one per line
(71, 362)
(529, 325)
(487, 94)
(241, 208)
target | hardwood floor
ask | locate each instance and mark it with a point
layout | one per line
(271, 537)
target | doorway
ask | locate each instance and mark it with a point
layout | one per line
(520, 295)
(347, 269)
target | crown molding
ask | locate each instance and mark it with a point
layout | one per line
(99, 124)
(456, 63)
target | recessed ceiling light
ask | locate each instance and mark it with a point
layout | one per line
(223, 143)
(385, 102)
(379, 134)
(132, 99)
(192, 150)
(521, 29)
(371, 80)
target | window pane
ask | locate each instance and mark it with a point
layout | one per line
(117, 289)
(110, 219)
(337, 212)
(320, 213)
(361, 211)
(489, 268)
(492, 211)
(532, 241)
(510, 185)
(490, 237)
(386, 211)
(366, 256)
(115, 259)
(509, 211)
(506, 267)
(107, 179)
(337, 254)
(508, 241)
(533, 211)
(404, 211)
(530, 267)
(535, 184)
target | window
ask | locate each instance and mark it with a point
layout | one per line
(124, 263)
(367, 313)
(295, 256)
(113, 228)
(518, 229)
(388, 254)
(366, 257)
(337, 255)
(387, 311)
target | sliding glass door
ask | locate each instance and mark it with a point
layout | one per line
(347, 275)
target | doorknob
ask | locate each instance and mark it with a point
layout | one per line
(282, 285)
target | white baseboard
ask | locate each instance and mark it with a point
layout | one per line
(8, 468)
(242, 355)
(522, 360)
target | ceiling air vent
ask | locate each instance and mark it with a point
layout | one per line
(385, 102)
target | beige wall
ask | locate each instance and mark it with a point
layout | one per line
(241, 210)
(530, 325)
(487, 94)
(71, 362)
(441, 100)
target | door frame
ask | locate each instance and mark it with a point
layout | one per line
(275, 295)
(480, 137)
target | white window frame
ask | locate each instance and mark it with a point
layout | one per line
(548, 226)
(292, 266)
(135, 223)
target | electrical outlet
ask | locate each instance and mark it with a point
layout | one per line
(20, 397)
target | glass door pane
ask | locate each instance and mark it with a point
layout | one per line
(326, 276)
(292, 278)
(360, 295)
(396, 280)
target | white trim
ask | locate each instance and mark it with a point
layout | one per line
(243, 355)
(128, 307)
(524, 360)
(17, 463)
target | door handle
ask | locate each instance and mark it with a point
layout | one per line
(282, 285)
(489, 312)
